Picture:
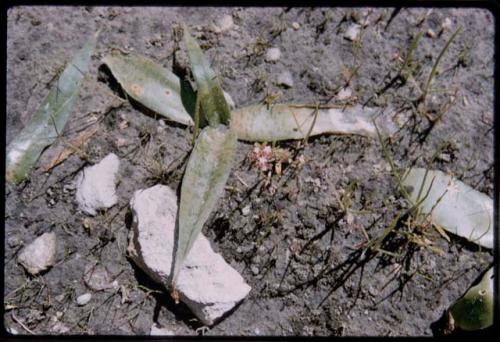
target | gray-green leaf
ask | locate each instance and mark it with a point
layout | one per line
(292, 121)
(212, 101)
(474, 310)
(453, 205)
(51, 117)
(206, 174)
(150, 84)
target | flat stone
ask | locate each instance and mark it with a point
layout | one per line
(273, 54)
(40, 254)
(96, 185)
(206, 283)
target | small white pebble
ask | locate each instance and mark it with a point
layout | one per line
(255, 270)
(430, 33)
(446, 25)
(285, 79)
(83, 299)
(225, 23)
(246, 210)
(273, 54)
(295, 25)
(352, 32)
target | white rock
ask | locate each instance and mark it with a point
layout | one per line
(295, 25)
(83, 299)
(40, 254)
(229, 100)
(352, 32)
(273, 54)
(96, 185)
(157, 331)
(224, 23)
(206, 283)
(285, 79)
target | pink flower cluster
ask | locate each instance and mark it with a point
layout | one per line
(262, 155)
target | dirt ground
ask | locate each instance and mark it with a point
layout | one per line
(301, 252)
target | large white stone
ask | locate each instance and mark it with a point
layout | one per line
(96, 185)
(206, 283)
(40, 254)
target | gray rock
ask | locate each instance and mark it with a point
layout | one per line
(206, 283)
(84, 299)
(285, 79)
(40, 254)
(96, 185)
(273, 54)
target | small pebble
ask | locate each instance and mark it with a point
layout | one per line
(255, 270)
(446, 25)
(83, 299)
(273, 55)
(158, 331)
(430, 33)
(285, 79)
(344, 93)
(224, 24)
(352, 32)
(295, 25)
(14, 241)
(246, 210)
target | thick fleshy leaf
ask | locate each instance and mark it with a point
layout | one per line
(206, 174)
(51, 117)
(453, 205)
(474, 311)
(292, 121)
(214, 107)
(149, 84)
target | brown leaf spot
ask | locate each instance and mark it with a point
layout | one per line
(135, 89)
